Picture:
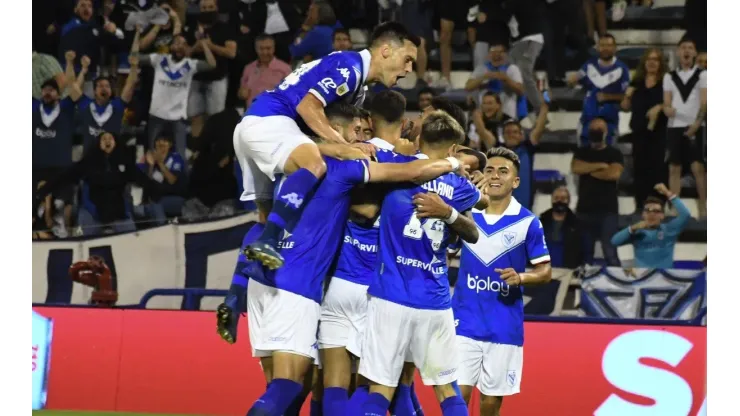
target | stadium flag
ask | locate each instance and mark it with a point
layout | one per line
(612, 292)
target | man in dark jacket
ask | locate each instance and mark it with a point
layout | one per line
(562, 232)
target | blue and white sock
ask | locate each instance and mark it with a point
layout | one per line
(415, 400)
(292, 196)
(354, 406)
(454, 406)
(335, 401)
(402, 405)
(239, 279)
(277, 398)
(375, 405)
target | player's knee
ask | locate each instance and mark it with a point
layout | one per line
(318, 168)
(444, 391)
(407, 375)
(491, 404)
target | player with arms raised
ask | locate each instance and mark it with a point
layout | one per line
(488, 304)
(409, 312)
(269, 140)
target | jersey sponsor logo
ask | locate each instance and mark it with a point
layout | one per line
(440, 188)
(345, 73)
(327, 84)
(94, 132)
(430, 267)
(342, 89)
(293, 199)
(369, 248)
(45, 134)
(487, 285)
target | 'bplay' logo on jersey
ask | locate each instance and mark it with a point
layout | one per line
(474, 282)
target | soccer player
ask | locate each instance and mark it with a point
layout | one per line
(488, 304)
(284, 305)
(268, 140)
(409, 311)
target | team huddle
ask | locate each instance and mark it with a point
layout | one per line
(345, 285)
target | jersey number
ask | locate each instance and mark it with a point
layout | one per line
(434, 230)
(296, 75)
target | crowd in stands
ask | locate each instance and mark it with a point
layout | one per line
(145, 95)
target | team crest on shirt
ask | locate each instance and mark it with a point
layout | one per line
(509, 238)
(660, 235)
(342, 89)
(511, 378)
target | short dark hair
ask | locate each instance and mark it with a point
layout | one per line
(653, 200)
(454, 110)
(505, 153)
(426, 90)
(101, 78)
(441, 128)
(263, 36)
(363, 113)
(388, 106)
(326, 14)
(499, 42)
(490, 93)
(686, 39)
(51, 82)
(340, 30)
(608, 36)
(392, 31)
(340, 110)
(511, 122)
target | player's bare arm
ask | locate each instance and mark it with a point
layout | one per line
(542, 273)
(418, 171)
(431, 205)
(311, 110)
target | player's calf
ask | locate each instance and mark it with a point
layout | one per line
(288, 375)
(337, 378)
(490, 405)
(450, 402)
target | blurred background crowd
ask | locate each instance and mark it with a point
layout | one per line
(135, 103)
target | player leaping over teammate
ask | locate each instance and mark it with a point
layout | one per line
(269, 141)
(488, 304)
(409, 311)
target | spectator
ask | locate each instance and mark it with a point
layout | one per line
(263, 74)
(449, 17)
(52, 131)
(599, 167)
(645, 98)
(346, 120)
(166, 167)
(563, 233)
(315, 39)
(425, 98)
(105, 171)
(565, 23)
(524, 147)
(701, 60)
(416, 16)
(209, 89)
(367, 128)
(341, 41)
(47, 18)
(173, 75)
(43, 217)
(595, 12)
(212, 186)
(605, 79)
(685, 104)
(279, 19)
(529, 17)
(159, 37)
(654, 242)
(45, 67)
(488, 122)
(500, 77)
(85, 37)
(103, 112)
(491, 28)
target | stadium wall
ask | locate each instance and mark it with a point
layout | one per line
(174, 362)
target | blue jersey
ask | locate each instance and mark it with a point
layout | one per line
(358, 255)
(485, 307)
(610, 79)
(310, 250)
(412, 267)
(337, 76)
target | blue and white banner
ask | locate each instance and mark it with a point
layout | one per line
(612, 292)
(172, 256)
(41, 329)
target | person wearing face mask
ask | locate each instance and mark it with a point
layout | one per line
(653, 240)
(563, 231)
(209, 89)
(105, 171)
(599, 167)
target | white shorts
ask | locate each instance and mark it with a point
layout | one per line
(495, 369)
(281, 321)
(262, 146)
(343, 315)
(397, 333)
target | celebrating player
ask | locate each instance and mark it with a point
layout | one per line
(409, 311)
(488, 305)
(284, 305)
(269, 141)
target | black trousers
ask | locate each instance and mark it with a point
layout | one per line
(649, 156)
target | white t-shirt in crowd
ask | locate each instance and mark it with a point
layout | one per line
(172, 82)
(508, 99)
(687, 110)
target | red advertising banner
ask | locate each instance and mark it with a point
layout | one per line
(174, 362)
